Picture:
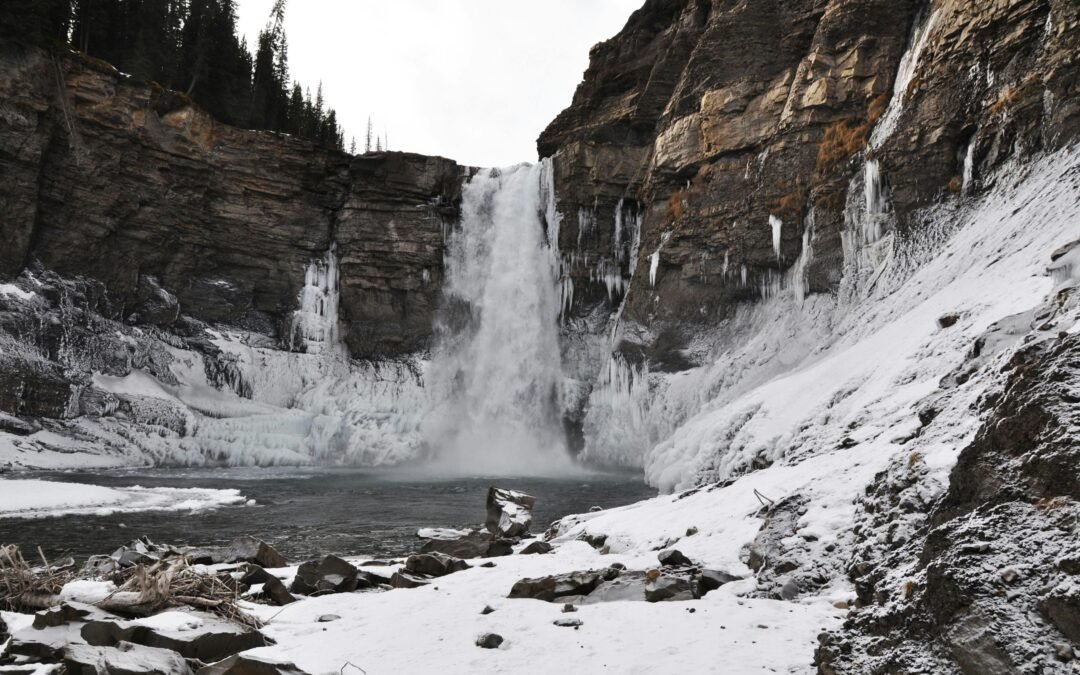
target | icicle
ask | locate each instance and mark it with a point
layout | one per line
(654, 266)
(969, 166)
(315, 324)
(777, 226)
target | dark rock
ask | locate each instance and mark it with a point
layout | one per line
(407, 580)
(434, 564)
(948, 320)
(568, 623)
(509, 512)
(537, 547)
(329, 575)
(475, 544)
(273, 587)
(212, 639)
(327, 618)
(626, 586)
(501, 547)
(568, 607)
(489, 641)
(710, 580)
(557, 586)
(246, 664)
(123, 659)
(595, 509)
(243, 549)
(487, 610)
(670, 588)
(674, 558)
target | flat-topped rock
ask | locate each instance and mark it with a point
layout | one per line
(123, 659)
(509, 512)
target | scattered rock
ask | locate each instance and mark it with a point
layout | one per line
(123, 659)
(509, 512)
(246, 664)
(274, 589)
(329, 575)
(487, 610)
(489, 641)
(537, 547)
(568, 607)
(434, 564)
(568, 623)
(243, 549)
(691, 531)
(327, 618)
(669, 589)
(595, 509)
(674, 558)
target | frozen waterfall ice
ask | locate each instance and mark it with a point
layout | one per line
(496, 370)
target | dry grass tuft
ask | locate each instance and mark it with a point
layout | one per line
(677, 204)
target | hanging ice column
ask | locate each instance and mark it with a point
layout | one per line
(496, 377)
(315, 324)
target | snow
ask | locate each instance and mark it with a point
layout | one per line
(87, 591)
(15, 291)
(171, 622)
(39, 499)
(408, 630)
(793, 377)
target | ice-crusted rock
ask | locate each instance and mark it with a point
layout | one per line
(329, 575)
(467, 545)
(434, 564)
(509, 512)
(986, 584)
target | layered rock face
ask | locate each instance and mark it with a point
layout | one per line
(129, 185)
(733, 130)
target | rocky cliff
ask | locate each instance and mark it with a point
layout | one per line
(129, 185)
(735, 129)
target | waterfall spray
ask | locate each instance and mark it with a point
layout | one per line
(496, 372)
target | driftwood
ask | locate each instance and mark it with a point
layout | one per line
(142, 590)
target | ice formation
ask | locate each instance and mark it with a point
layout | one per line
(909, 64)
(496, 375)
(315, 324)
(777, 226)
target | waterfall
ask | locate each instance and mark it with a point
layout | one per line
(909, 64)
(496, 369)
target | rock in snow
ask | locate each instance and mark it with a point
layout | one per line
(509, 513)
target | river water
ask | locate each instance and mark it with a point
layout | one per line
(306, 513)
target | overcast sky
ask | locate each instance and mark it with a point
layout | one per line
(473, 80)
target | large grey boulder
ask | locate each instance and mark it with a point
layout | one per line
(243, 549)
(329, 575)
(557, 586)
(509, 512)
(434, 564)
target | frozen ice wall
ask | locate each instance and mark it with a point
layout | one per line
(495, 375)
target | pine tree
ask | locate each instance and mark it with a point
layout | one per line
(367, 143)
(352, 146)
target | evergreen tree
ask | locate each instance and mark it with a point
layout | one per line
(367, 143)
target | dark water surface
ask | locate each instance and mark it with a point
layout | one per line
(309, 512)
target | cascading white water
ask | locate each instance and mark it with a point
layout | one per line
(496, 371)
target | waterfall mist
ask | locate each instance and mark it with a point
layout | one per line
(495, 378)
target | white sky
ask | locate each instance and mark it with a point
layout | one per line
(473, 80)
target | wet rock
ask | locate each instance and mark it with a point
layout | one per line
(434, 564)
(329, 575)
(509, 512)
(123, 659)
(192, 634)
(674, 558)
(247, 664)
(557, 586)
(407, 580)
(670, 589)
(243, 549)
(489, 641)
(536, 547)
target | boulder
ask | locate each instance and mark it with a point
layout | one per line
(123, 659)
(557, 586)
(243, 549)
(536, 547)
(434, 564)
(710, 580)
(674, 558)
(272, 587)
(246, 664)
(329, 575)
(489, 641)
(627, 586)
(407, 580)
(54, 629)
(471, 544)
(669, 588)
(509, 512)
(190, 633)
